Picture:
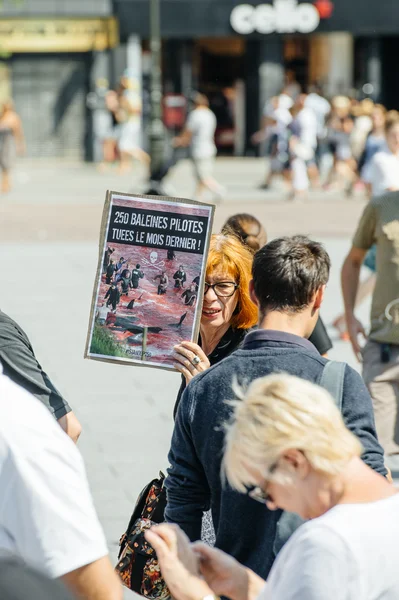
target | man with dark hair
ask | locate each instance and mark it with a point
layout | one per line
(289, 279)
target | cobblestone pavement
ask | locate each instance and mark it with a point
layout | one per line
(48, 256)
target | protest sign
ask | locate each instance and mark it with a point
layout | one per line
(148, 289)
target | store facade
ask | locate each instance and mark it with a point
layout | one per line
(238, 51)
(53, 54)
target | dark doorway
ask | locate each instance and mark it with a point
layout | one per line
(390, 81)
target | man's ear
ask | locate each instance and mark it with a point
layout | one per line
(252, 294)
(319, 297)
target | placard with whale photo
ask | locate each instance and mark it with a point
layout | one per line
(148, 288)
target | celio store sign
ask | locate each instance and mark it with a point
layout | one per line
(283, 16)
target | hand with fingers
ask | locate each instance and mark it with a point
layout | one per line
(178, 562)
(190, 360)
(222, 572)
(356, 329)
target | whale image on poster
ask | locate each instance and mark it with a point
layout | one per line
(148, 290)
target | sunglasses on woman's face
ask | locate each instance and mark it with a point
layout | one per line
(222, 289)
(260, 494)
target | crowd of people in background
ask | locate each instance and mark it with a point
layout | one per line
(340, 143)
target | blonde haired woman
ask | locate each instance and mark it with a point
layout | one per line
(288, 444)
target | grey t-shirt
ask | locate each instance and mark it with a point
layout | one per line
(21, 366)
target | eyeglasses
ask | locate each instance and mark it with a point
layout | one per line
(261, 494)
(222, 289)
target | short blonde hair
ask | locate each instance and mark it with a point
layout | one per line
(228, 255)
(278, 413)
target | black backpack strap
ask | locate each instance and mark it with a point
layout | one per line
(332, 380)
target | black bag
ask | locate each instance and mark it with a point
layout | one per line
(138, 566)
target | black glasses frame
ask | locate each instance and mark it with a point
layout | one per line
(214, 285)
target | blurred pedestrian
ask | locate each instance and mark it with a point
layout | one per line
(291, 86)
(110, 138)
(289, 279)
(288, 445)
(376, 142)
(20, 364)
(321, 108)
(378, 225)
(12, 140)
(129, 118)
(199, 134)
(303, 145)
(47, 515)
(382, 173)
(276, 119)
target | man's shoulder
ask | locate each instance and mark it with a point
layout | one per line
(22, 416)
(387, 201)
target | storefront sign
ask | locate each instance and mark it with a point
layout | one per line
(283, 16)
(58, 35)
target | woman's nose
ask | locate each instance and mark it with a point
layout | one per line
(212, 295)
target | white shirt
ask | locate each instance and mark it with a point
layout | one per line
(202, 124)
(321, 108)
(281, 115)
(47, 516)
(307, 123)
(350, 553)
(382, 173)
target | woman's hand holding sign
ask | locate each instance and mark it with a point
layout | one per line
(190, 360)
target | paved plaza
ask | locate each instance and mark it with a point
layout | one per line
(48, 256)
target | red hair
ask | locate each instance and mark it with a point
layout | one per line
(228, 255)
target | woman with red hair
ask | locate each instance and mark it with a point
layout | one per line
(227, 313)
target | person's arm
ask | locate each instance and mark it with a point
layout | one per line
(19, 136)
(358, 414)
(22, 367)
(363, 240)
(96, 581)
(188, 494)
(350, 276)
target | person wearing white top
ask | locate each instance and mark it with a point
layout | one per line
(382, 173)
(287, 446)
(47, 517)
(199, 134)
(303, 147)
